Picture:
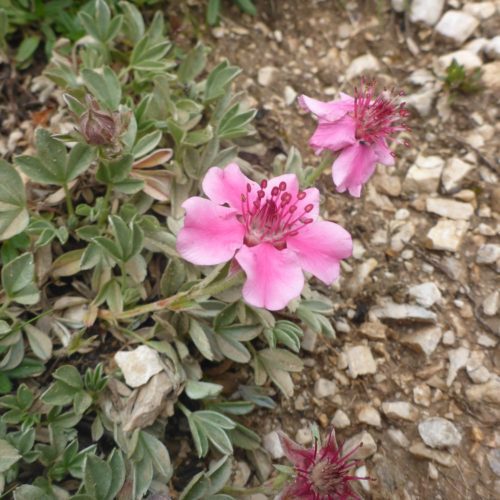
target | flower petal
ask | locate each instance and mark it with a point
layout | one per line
(226, 185)
(300, 457)
(354, 166)
(211, 233)
(331, 110)
(384, 154)
(274, 277)
(320, 246)
(334, 135)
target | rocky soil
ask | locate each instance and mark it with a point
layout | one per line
(414, 371)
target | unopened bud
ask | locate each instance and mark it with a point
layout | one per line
(98, 127)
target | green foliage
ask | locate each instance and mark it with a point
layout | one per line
(90, 267)
(214, 8)
(39, 22)
(459, 81)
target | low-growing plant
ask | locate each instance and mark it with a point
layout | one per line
(123, 288)
(214, 9)
(459, 81)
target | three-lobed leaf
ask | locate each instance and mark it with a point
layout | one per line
(14, 216)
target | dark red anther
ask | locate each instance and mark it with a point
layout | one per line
(308, 208)
(275, 191)
(249, 187)
(292, 209)
(261, 193)
(306, 221)
(282, 186)
(263, 184)
(301, 195)
(293, 233)
(243, 198)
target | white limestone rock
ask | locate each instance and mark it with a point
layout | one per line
(267, 75)
(340, 420)
(398, 5)
(466, 58)
(477, 372)
(400, 410)
(457, 25)
(367, 450)
(450, 208)
(426, 294)
(366, 63)
(407, 313)
(360, 361)
(324, 388)
(398, 438)
(490, 75)
(422, 102)
(424, 175)
(480, 10)
(458, 359)
(447, 235)
(492, 48)
(488, 253)
(369, 415)
(426, 11)
(139, 365)
(438, 432)
(425, 340)
(491, 303)
(454, 173)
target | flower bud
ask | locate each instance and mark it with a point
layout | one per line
(98, 127)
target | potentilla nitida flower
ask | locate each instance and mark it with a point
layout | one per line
(270, 229)
(321, 473)
(360, 128)
(99, 127)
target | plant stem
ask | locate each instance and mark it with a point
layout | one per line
(69, 201)
(326, 161)
(105, 206)
(178, 301)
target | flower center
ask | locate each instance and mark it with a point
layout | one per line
(325, 477)
(272, 217)
(379, 117)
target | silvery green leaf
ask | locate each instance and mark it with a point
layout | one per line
(8, 455)
(201, 340)
(14, 216)
(117, 464)
(244, 438)
(159, 455)
(146, 144)
(39, 341)
(282, 359)
(219, 474)
(133, 22)
(196, 489)
(142, 476)
(200, 390)
(31, 492)
(17, 280)
(232, 349)
(193, 64)
(97, 477)
(219, 79)
(104, 86)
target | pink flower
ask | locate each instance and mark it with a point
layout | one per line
(359, 127)
(322, 474)
(270, 229)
